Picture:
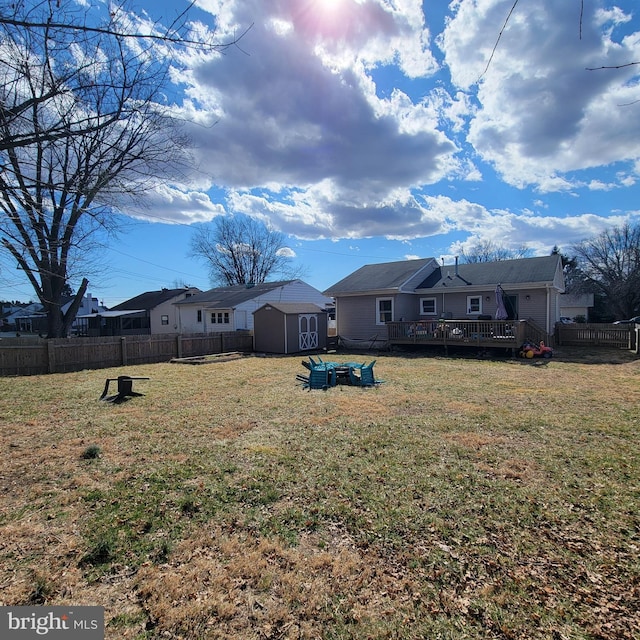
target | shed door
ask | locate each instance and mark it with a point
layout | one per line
(308, 331)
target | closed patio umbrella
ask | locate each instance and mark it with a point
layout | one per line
(501, 311)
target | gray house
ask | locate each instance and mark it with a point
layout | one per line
(289, 327)
(424, 291)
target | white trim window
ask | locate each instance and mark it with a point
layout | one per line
(219, 317)
(474, 305)
(428, 307)
(384, 310)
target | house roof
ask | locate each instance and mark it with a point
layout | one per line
(520, 271)
(231, 297)
(113, 314)
(376, 277)
(149, 300)
(293, 307)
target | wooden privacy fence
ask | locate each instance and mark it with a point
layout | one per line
(624, 336)
(32, 356)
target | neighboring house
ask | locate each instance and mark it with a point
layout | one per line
(152, 312)
(231, 308)
(423, 290)
(574, 305)
(29, 318)
(89, 305)
(289, 327)
(33, 319)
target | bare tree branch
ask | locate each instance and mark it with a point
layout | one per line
(617, 66)
(84, 130)
(495, 46)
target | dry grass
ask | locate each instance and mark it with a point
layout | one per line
(461, 499)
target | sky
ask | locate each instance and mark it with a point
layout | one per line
(370, 131)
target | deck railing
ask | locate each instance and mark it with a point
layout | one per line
(481, 333)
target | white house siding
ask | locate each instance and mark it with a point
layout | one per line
(169, 309)
(165, 309)
(296, 291)
(188, 320)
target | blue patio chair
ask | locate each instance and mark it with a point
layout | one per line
(367, 379)
(321, 378)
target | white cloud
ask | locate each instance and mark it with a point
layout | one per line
(286, 252)
(542, 113)
(342, 123)
(171, 205)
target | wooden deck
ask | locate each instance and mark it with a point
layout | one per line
(508, 334)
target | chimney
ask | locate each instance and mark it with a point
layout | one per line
(456, 265)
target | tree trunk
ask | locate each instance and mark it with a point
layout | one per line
(59, 323)
(72, 311)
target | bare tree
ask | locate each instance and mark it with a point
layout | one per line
(83, 128)
(241, 250)
(488, 251)
(610, 264)
(39, 21)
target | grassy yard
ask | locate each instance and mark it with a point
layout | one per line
(462, 498)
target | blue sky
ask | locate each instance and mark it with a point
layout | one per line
(372, 130)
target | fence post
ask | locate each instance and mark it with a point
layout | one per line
(179, 345)
(51, 358)
(123, 351)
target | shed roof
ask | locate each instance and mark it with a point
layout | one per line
(383, 276)
(292, 308)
